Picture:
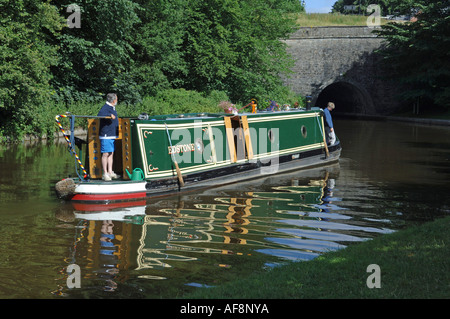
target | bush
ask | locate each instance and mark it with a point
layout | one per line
(282, 96)
(170, 101)
(178, 101)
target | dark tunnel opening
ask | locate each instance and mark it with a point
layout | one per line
(347, 98)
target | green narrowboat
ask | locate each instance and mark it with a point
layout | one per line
(167, 154)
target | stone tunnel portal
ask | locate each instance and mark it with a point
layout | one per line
(347, 97)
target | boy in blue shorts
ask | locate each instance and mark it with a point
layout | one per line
(109, 129)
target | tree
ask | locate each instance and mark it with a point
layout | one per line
(137, 48)
(97, 57)
(235, 46)
(203, 45)
(158, 45)
(418, 53)
(25, 60)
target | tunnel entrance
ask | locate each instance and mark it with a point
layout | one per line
(348, 98)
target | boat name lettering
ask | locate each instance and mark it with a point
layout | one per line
(181, 148)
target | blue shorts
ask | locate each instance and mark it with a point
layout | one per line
(107, 145)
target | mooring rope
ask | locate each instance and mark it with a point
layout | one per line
(320, 126)
(72, 149)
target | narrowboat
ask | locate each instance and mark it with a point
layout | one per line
(169, 154)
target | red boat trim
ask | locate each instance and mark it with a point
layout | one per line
(108, 197)
(94, 207)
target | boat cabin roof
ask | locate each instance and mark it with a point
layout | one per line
(212, 116)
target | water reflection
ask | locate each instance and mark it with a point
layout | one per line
(206, 238)
(391, 176)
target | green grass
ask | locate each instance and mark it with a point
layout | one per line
(414, 263)
(331, 19)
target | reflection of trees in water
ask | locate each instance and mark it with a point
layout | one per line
(210, 237)
(29, 171)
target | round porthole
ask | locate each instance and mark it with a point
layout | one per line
(304, 131)
(271, 136)
(199, 145)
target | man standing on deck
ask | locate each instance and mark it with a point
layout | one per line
(108, 133)
(329, 130)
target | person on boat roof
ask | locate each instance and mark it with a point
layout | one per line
(108, 132)
(329, 129)
(272, 106)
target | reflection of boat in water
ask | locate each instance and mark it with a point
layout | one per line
(171, 154)
(121, 211)
(190, 238)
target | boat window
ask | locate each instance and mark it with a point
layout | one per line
(304, 131)
(271, 136)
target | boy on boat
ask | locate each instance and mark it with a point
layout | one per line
(107, 134)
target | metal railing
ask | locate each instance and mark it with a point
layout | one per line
(71, 138)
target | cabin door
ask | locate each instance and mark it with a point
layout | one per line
(122, 152)
(238, 137)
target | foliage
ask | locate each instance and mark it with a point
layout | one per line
(260, 56)
(170, 101)
(158, 45)
(141, 49)
(417, 53)
(174, 101)
(387, 6)
(97, 57)
(25, 61)
(226, 45)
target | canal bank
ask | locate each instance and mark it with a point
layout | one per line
(411, 263)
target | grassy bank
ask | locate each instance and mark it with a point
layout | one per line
(331, 19)
(414, 263)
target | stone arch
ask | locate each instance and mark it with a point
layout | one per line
(348, 98)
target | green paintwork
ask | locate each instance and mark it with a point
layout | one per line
(271, 134)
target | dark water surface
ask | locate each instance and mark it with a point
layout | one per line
(391, 175)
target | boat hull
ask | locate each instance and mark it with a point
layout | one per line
(245, 172)
(182, 153)
(101, 191)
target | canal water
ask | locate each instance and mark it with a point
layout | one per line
(391, 176)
